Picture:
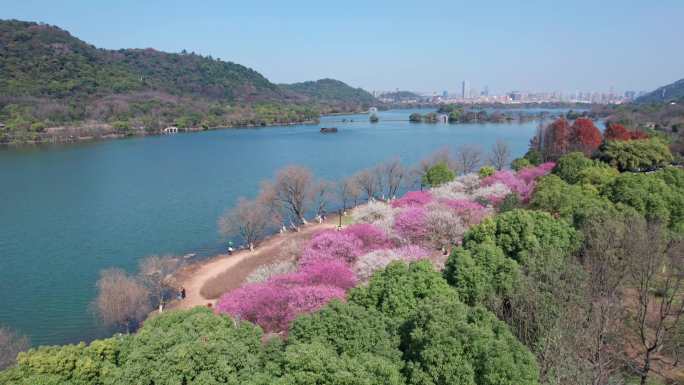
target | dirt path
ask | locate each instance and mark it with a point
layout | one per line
(194, 277)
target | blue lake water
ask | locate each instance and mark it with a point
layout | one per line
(66, 212)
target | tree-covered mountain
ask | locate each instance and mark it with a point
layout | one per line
(43, 60)
(56, 87)
(332, 93)
(669, 93)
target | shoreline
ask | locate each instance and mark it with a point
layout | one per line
(57, 140)
(238, 265)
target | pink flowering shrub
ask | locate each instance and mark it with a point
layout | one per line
(413, 198)
(445, 228)
(274, 307)
(369, 263)
(320, 272)
(332, 245)
(494, 193)
(470, 211)
(344, 245)
(371, 237)
(412, 252)
(508, 178)
(329, 273)
(410, 224)
(523, 182)
(530, 174)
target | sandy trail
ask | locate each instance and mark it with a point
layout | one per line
(196, 275)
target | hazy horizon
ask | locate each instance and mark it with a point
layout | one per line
(583, 46)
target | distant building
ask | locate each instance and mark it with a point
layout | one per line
(630, 95)
(516, 96)
(465, 89)
(443, 118)
(485, 91)
(170, 130)
(445, 94)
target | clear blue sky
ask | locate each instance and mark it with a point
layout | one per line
(380, 45)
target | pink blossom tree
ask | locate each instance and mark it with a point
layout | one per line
(332, 245)
(413, 198)
(274, 307)
(410, 224)
(471, 212)
(530, 174)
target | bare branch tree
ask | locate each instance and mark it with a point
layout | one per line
(656, 268)
(348, 191)
(11, 344)
(291, 191)
(392, 173)
(321, 195)
(604, 257)
(468, 158)
(500, 155)
(122, 301)
(249, 220)
(156, 273)
(367, 180)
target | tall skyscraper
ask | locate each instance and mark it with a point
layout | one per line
(445, 94)
(465, 89)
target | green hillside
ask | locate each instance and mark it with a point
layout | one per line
(43, 60)
(57, 88)
(669, 93)
(332, 93)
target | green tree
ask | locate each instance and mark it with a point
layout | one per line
(481, 272)
(193, 347)
(650, 196)
(397, 290)
(438, 175)
(636, 155)
(455, 116)
(486, 171)
(316, 363)
(569, 166)
(447, 343)
(519, 163)
(574, 203)
(79, 364)
(415, 117)
(347, 328)
(597, 176)
(520, 232)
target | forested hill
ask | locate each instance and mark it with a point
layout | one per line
(55, 87)
(669, 93)
(332, 92)
(43, 60)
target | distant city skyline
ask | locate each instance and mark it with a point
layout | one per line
(546, 47)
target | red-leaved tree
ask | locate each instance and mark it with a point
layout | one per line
(585, 136)
(555, 139)
(616, 131)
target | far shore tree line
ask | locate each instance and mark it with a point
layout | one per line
(458, 114)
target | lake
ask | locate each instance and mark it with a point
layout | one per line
(66, 212)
